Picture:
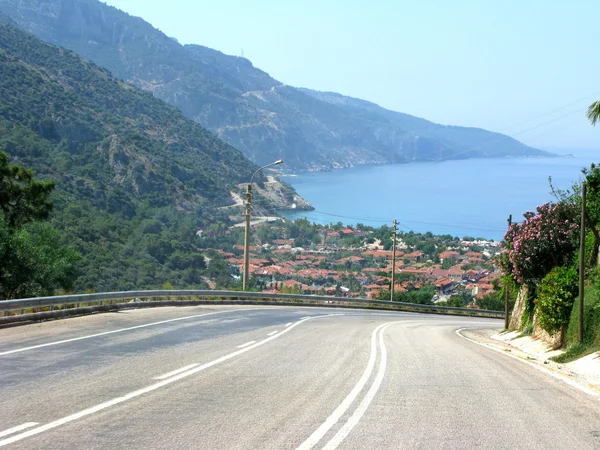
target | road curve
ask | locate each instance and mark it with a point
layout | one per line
(276, 378)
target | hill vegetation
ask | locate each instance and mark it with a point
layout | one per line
(259, 115)
(134, 178)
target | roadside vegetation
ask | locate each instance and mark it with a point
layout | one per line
(542, 260)
(591, 324)
(35, 259)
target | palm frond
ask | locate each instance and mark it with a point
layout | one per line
(593, 112)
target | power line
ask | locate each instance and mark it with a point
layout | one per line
(595, 94)
(564, 126)
(503, 138)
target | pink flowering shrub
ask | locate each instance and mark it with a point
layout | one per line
(544, 240)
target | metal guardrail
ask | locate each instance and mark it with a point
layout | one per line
(28, 308)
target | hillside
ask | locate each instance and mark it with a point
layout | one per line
(447, 142)
(134, 178)
(257, 114)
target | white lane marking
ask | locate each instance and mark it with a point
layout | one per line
(318, 434)
(175, 372)
(558, 376)
(288, 324)
(273, 332)
(306, 317)
(134, 394)
(64, 341)
(366, 401)
(17, 428)
(246, 344)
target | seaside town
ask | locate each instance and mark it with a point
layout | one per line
(302, 258)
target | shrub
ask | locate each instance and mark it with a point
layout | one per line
(555, 298)
(493, 301)
(542, 241)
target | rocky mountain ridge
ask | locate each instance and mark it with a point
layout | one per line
(263, 118)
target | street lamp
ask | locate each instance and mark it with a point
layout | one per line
(247, 231)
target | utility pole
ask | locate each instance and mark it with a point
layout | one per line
(246, 274)
(247, 236)
(581, 261)
(506, 293)
(393, 260)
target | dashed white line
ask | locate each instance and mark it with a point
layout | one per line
(246, 344)
(64, 341)
(134, 394)
(273, 332)
(175, 372)
(17, 428)
(288, 324)
(305, 317)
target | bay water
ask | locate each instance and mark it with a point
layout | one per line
(471, 197)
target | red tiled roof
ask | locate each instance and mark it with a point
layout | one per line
(269, 270)
(448, 254)
(443, 282)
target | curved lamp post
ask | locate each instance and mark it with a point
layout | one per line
(247, 231)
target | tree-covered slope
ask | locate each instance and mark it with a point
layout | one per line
(263, 118)
(134, 178)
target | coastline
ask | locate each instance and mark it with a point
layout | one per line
(460, 197)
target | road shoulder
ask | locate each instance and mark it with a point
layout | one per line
(584, 373)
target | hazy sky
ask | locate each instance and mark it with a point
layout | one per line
(505, 65)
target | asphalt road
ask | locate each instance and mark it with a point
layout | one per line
(277, 378)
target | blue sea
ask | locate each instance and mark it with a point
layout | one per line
(472, 197)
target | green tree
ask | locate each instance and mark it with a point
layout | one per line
(592, 210)
(460, 299)
(447, 264)
(22, 198)
(493, 301)
(34, 261)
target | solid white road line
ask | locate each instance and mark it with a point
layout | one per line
(152, 387)
(366, 401)
(553, 374)
(175, 372)
(17, 428)
(246, 344)
(64, 341)
(273, 332)
(347, 402)
(288, 324)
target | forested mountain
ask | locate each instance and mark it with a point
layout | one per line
(134, 178)
(260, 116)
